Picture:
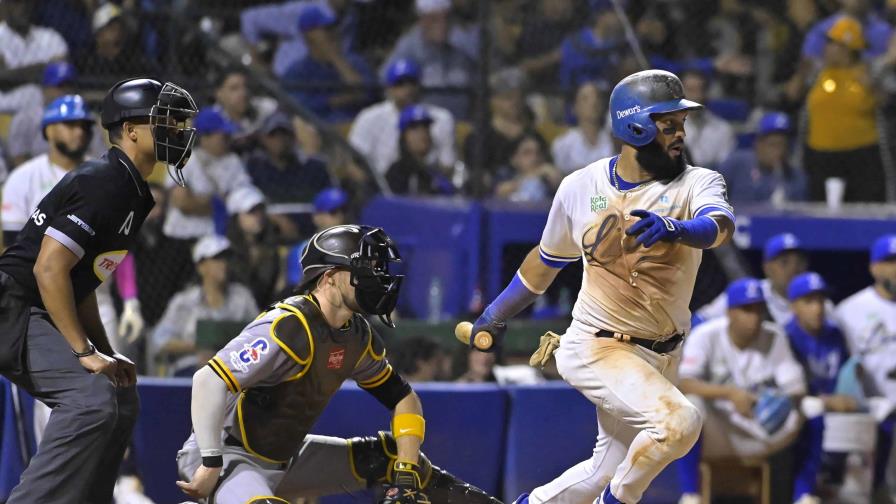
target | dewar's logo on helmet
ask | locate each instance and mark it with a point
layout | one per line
(627, 112)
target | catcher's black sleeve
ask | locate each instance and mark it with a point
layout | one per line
(391, 391)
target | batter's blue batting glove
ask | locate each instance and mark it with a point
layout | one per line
(493, 327)
(653, 228)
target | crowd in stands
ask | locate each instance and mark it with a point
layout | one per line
(797, 93)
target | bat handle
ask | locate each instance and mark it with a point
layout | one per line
(463, 332)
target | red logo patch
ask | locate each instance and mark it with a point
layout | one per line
(334, 361)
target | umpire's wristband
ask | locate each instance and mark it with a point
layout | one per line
(87, 353)
(213, 461)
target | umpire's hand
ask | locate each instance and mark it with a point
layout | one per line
(127, 370)
(99, 362)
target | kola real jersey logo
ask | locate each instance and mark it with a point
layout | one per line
(599, 203)
(106, 263)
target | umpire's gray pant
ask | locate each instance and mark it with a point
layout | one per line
(90, 428)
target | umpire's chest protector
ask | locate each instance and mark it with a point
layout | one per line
(273, 420)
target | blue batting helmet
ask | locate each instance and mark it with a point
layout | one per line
(638, 96)
(68, 108)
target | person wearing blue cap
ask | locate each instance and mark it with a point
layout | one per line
(286, 169)
(821, 349)
(764, 173)
(25, 130)
(783, 258)
(415, 172)
(280, 20)
(590, 53)
(738, 370)
(438, 44)
(211, 174)
(330, 81)
(330, 209)
(375, 132)
(868, 319)
(67, 127)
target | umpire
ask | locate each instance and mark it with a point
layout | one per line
(52, 343)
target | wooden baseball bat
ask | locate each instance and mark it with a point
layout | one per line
(482, 341)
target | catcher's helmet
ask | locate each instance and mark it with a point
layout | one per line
(638, 96)
(366, 253)
(68, 108)
(170, 110)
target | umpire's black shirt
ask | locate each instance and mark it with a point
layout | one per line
(95, 211)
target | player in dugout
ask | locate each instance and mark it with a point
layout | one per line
(256, 400)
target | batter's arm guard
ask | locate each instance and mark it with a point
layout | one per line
(372, 460)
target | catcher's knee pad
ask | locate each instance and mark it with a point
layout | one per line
(267, 499)
(372, 457)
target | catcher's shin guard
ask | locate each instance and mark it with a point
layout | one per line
(372, 458)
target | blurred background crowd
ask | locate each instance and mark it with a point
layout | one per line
(311, 108)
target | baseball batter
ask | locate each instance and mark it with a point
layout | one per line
(255, 402)
(639, 221)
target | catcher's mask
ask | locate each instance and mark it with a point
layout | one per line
(366, 253)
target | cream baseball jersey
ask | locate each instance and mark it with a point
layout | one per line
(626, 288)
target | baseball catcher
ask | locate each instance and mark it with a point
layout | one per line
(256, 400)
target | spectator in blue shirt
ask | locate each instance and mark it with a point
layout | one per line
(284, 171)
(281, 22)
(764, 173)
(820, 348)
(332, 83)
(331, 208)
(594, 52)
(433, 42)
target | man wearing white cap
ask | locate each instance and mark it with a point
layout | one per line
(213, 298)
(444, 62)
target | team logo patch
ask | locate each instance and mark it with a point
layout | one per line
(250, 354)
(599, 203)
(664, 199)
(106, 263)
(335, 359)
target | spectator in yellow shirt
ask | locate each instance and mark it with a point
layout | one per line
(842, 139)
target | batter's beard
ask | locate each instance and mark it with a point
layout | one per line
(659, 163)
(76, 155)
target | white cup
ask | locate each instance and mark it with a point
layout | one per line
(834, 187)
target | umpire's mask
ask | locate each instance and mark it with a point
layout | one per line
(172, 125)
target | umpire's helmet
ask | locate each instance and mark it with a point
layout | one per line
(170, 110)
(364, 251)
(68, 108)
(638, 96)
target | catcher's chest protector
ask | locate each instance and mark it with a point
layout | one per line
(273, 420)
